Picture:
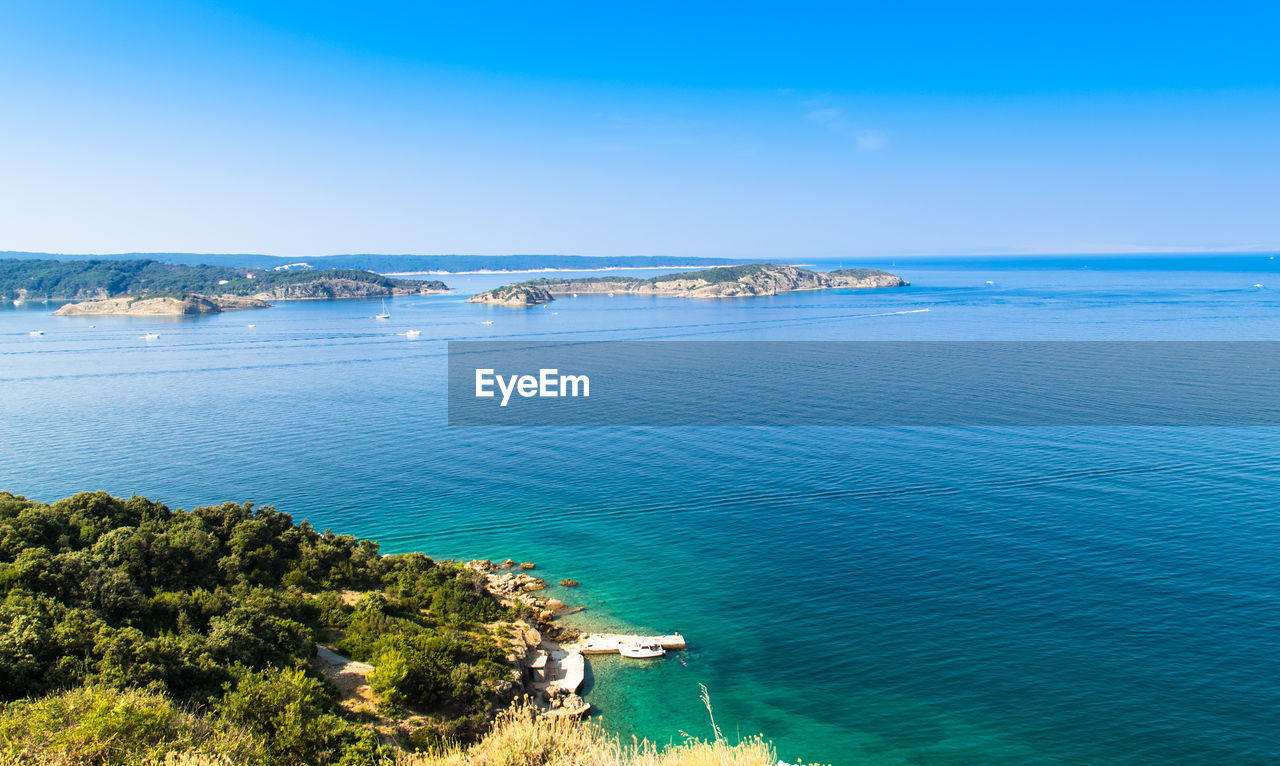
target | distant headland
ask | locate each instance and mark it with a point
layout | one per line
(152, 288)
(756, 279)
(399, 264)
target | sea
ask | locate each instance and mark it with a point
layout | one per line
(872, 596)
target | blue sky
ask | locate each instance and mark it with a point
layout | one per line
(799, 130)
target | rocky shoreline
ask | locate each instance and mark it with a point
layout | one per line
(196, 304)
(190, 305)
(757, 279)
(549, 668)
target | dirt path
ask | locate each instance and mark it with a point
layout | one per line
(351, 678)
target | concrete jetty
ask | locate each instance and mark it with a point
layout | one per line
(612, 643)
(558, 669)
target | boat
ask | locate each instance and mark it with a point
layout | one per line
(487, 322)
(253, 325)
(35, 333)
(412, 333)
(385, 314)
(151, 336)
(1259, 286)
(645, 650)
(17, 301)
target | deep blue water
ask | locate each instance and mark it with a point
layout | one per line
(859, 595)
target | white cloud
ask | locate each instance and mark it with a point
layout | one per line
(871, 140)
(829, 116)
(833, 119)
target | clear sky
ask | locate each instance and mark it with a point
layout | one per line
(737, 129)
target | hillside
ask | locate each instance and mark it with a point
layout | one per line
(132, 633)
(101, 279)
(388, 264)
(754, 279)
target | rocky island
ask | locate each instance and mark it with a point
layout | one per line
(141, 306)
(152, 288)
(520, 295)
(725, 282)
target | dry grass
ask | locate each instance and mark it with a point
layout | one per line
(175, 737)
(519, 738)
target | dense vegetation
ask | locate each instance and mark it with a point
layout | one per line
(78, 280)
(404, 263)
(138, 630)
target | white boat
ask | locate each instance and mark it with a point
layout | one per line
(487, 322)
(1258, 285)
(35, 333)
(253, 325)
(17, 301)
(385, 314)
(151, 336)
(642, 650)
(575, 295)
(412, 333)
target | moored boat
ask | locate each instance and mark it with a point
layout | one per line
(642, 650)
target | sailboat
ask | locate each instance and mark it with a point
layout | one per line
(385, 314)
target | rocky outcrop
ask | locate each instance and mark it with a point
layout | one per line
(187, 306)
(729, 282)
(569, 582)
(330, 288)
(513, 588)
(520, 295)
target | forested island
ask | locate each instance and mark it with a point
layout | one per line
(153, 287)
(722, 282)
(132, 633)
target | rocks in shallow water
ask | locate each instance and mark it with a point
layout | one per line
(527, 565)
(508, 563)
(569, 582)
(574, 705)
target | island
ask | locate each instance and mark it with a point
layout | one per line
(403, 263)
(153, 288)
(520, 295)
(141, 306)
(754, 279)
(230, 634)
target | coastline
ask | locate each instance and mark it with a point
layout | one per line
(552, 270)
(551, 657)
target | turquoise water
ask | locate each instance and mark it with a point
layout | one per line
(861, 596)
